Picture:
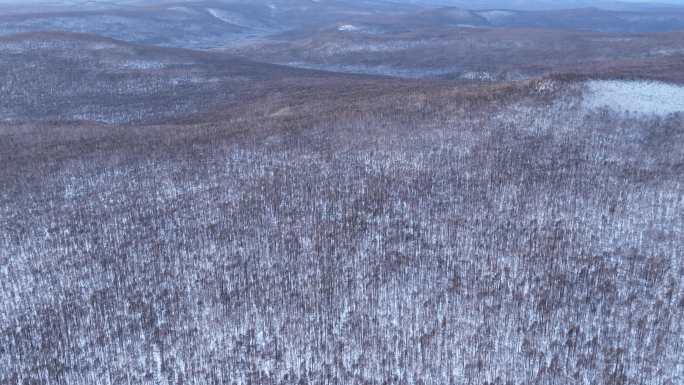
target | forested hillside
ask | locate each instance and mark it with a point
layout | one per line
(405, 203)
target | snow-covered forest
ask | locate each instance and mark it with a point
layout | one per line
(420, 196)
(495, 241)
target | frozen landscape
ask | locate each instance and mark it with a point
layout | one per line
(641, 97)
(357, 192)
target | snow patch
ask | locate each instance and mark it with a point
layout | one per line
(545, 86)
(222, 15)
(285, 111)
(238, 19)
(641, 97)
(143, 65)
(103, 46)
(347, 28)
(668, 51)
(478, 75)
(495, 15)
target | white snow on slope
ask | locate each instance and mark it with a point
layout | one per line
(348, 28)
(225, 17)
(641, 97)
(142, 64)
(495, 15)
(236, 18)
(478, 75)
(181, 9)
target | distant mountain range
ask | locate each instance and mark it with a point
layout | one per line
(550, 4)
(221, 24)
(7, 6)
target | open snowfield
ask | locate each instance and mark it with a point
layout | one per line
(642, 97)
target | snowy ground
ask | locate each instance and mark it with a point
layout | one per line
(641, 97)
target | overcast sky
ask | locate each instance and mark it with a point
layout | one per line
(503, 3)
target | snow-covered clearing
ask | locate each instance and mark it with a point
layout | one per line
(495, 15)
(347, 28)
(642, 97)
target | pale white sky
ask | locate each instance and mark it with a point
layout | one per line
(512, 3)
(569, 2)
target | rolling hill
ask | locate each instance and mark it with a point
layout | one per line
(66, 76)
(476, 204)
(219, 24)
(485, 54)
